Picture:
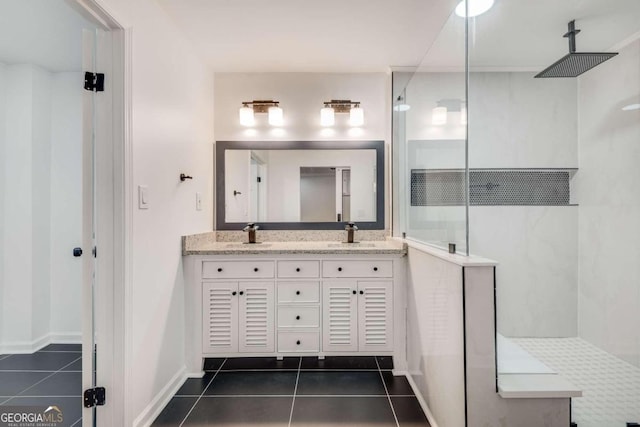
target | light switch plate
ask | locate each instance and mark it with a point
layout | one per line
(143, 197)
(198, 201)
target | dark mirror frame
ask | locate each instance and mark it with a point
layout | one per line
(222, 146)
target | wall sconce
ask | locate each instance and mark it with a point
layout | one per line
(440, 114)
(356, 113)
(249, 108)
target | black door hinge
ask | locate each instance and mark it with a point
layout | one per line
(94, 397)
(94, 81)
(94, 251)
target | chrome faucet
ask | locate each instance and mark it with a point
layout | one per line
(251, 228)
(351, 229)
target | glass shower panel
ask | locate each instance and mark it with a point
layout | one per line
(432, 122)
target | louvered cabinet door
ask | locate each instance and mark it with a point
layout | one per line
(256, 317)
(339, 316)
(375, 316)
(220, 317)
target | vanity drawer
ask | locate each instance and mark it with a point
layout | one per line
(237, 269)
(379, 268)
(294, 292)
(298, 317)
(291, 342)
(294, 269)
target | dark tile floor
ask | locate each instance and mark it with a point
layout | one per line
(49, 377)
(337, 391)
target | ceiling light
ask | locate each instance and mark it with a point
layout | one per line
(439, 116)
(476, 7)
(249, 108)
(631, 107)
(327, 114)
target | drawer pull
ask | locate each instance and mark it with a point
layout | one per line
(298, 342)
(297, 292)
(298, 269)
(354, 292)
(375, 268)
(361, 292)
(255, 269)
(297, 317)
(241, 292)
(233, 293)
(339, 268)
(219, 270)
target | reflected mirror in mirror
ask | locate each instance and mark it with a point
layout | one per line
(289, 185)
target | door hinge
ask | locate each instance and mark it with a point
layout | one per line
(94, 81)
(94, 397)
(94, 251)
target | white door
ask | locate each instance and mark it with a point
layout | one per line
(339, 316)
(256, 317)
(220, 317)
(375, 316)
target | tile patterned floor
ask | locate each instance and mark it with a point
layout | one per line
(51, 376)
(611, 386)
(295, 392)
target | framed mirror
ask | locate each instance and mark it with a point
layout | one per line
(300, 185)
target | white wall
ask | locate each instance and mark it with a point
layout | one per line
(172, 110)
(515, 121)
(66, 205)
(301, 95)
(609, 228)
(41, 119)
(3, 136)
(18, 213)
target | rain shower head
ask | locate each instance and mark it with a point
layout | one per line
(574, 63)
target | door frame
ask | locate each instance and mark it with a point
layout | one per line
(114, 275)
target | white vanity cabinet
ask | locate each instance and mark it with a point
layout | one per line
(295, 304)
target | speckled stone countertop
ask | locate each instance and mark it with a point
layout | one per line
(208, 247)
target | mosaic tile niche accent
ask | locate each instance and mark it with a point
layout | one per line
(504, 187)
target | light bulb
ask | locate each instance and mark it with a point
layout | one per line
(246, 116)
(439, 116)
(356, 117)
(276, 116)
(476, 7)
(327, 116)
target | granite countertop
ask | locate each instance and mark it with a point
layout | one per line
(297, 247)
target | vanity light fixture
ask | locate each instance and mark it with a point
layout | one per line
(400, 105)
(249, 108)
(440, 114)
(356, 113)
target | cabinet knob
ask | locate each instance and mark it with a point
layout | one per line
(241, 292)
(375, 268)
(233, 293)
(219, 270)
(297, 292)
(298, 269)
(297, 317)
(255, 269)
(354, 292)
(298, 342)
(361, 292)
(339, 268)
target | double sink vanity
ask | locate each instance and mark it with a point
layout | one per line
(282, 298)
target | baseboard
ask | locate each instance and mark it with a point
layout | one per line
(25, 347)
(423, 403)
(65, 338)
(151, 412)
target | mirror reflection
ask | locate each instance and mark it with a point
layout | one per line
(300, 185)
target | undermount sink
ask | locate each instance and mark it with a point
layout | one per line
(247, 245)
(352, 245)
